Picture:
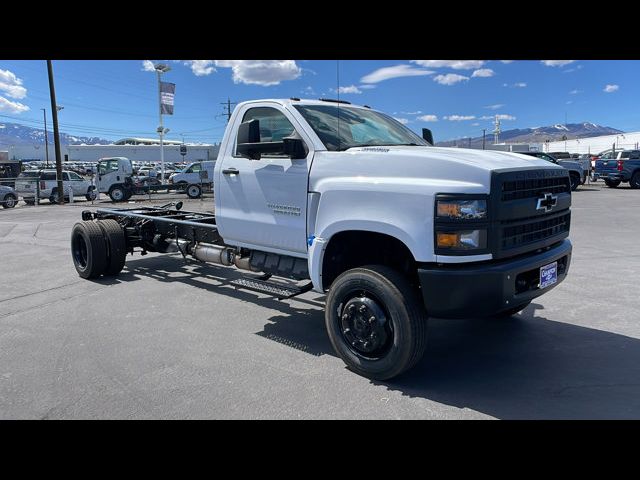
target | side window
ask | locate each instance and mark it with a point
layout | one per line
(75, 177)
(195, 168)
(65, 176)
(274, 126)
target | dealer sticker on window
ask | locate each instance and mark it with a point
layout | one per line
(548, 275)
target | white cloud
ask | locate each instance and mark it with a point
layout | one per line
(495, 106)
(11, 85)
(417, 112)
(483, 72)
(450, 79)
(201, 68)
(366, 87)
(147, 66)
(428, 118)
(611, 88)
(556, 63)
(574, 92)
(502, 116)
(250, 72)
(475, 124)
(12, 107)
(520, 84)
(403, 121)
(396, 71)
(455, 64)
(460, 118)
(349, 89)
(506, 61)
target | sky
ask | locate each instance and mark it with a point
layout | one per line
(113, 99)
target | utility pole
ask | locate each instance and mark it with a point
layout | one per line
(483, 134)
(46, 135)
(228, 104)
(56, 133)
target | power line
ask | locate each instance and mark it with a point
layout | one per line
(228, 104)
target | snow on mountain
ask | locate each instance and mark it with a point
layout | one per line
(16, 134)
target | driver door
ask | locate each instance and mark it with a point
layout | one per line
(108, 174)
(263, 203)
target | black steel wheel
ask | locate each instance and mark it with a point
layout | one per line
(88, 249)
(376, 321)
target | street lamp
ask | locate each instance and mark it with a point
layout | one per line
(46, 136)
(160, 69)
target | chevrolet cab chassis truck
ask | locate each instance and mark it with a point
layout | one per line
(344, 200)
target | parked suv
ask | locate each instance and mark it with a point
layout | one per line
(46, 182)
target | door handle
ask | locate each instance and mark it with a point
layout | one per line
(231, 171)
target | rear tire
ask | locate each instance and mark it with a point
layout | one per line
(635, 180)
(611, 183)
(116, 246)
(376, 321)
(88, 249)
(194, 191)
(9, 201)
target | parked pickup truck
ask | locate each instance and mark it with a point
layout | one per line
(196, 176)
(624, 168)
(28, 186)
(577, 174)
(360, 208)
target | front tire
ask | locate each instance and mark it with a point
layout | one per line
(88, 249)
(611, 183)
(9, 201)
(117, 194)
(194, 191)
(376, 322)
(575, 182)
(635, 180)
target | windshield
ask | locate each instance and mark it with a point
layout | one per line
(341, 128)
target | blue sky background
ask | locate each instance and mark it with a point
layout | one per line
(114, 99)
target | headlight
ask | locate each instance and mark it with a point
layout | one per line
(462, 240)
(459, 209)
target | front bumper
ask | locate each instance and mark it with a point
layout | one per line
(485, 289)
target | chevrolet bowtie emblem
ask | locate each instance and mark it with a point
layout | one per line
(547, 202)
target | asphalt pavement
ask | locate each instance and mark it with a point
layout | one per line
(172, 339)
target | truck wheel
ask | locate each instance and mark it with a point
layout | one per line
(53, 198)
(29, 201)
(88, 249)
(575, 182)
(611, 183)
(9, 201)
(512, 311)
(116, 246)
(91, 194)
(194, 191)
(117, 194)
(376, 322)
(635, 180)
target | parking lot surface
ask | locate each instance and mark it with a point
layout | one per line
(172, 339)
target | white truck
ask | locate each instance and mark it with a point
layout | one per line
(357, 206)
(193, 178)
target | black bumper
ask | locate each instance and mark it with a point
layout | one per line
(485, 289)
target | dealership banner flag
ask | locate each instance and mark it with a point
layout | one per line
(167, 92)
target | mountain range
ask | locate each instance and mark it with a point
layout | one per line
(17, 134)
(538, 134)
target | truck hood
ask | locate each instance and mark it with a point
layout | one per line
(464, 169)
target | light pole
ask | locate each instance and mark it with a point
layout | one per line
(160, 69)
(46, 139)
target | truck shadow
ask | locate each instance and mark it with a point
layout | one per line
(524, 367)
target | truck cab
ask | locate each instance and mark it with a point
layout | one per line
(392, 229)
(114, 177)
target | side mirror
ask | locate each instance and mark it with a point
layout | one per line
(427, 135)
(294, 147)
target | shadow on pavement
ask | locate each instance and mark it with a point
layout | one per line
(524, 367)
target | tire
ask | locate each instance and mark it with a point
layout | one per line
(194, 191)
(29, 201)
(593, 178)
(88, 249)
(635, 180)
(117, 194)
(512, 311)
(611, 183)
(398, 317)
(91, 194)
(116, 246)
(9, 201)
(575, 182)
(53, 198)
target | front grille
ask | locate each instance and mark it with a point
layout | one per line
(534, 231)
(534, 187)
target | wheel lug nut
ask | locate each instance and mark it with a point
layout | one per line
(345, 316)
(362, 308)
(367, 344)
(372, 319)
(352, 307)
(346, 330)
